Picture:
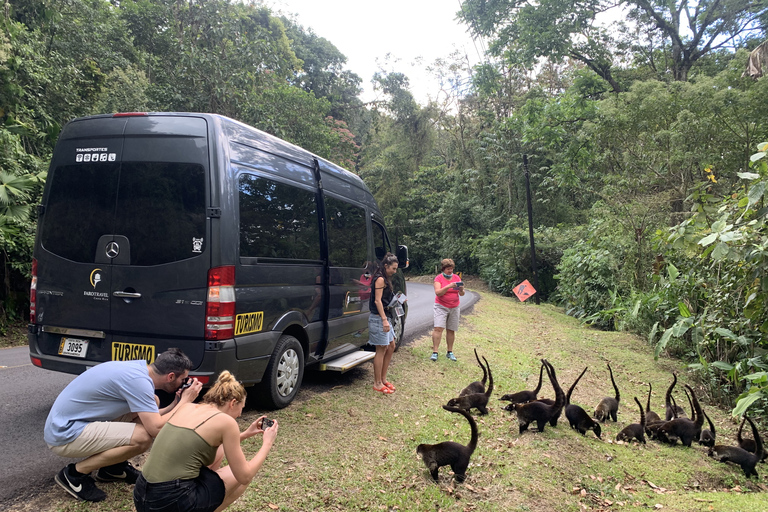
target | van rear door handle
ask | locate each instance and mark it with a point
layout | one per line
(127, 295)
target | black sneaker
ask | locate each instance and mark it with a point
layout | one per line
(81, 487)
(122, 472)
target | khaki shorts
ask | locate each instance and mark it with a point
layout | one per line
(97, 437)
(447, 318)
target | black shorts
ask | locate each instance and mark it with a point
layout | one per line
(202, 494)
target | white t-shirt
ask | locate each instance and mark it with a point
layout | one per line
(101, 393)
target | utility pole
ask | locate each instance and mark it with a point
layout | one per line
(530, 229)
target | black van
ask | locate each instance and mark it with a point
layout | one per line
(195, 231)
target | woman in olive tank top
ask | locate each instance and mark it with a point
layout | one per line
(183, 471)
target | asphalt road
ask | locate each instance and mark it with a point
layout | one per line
(27, 394)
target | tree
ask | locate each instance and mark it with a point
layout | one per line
(523, 31)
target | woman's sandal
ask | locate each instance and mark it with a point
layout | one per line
(383, 389)
(390, 385)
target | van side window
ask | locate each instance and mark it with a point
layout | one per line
(277, 220)
(380, 241)
(347, 234)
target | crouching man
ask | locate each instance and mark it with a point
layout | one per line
(110, 414)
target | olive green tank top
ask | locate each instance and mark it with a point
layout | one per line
(178, 453)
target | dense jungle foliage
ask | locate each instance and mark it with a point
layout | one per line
(645, 138)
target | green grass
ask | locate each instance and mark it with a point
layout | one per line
(341, 446)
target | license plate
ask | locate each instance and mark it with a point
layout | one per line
(132, 352)
(73, 347)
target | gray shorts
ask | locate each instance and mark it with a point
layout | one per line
(447, 318)
(97, 437)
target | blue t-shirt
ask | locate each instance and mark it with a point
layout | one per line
(101, 393)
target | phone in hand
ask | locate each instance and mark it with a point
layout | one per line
(185, 383)
(266, 423)
(459, 283)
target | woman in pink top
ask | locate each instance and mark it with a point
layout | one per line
(448, 288)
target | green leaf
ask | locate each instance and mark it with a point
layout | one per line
(722, 365)
(681, 327)
(662, 343)
(756, 377)
(684, 311)
(756, 191)
(726, 333)
(708, 239)
(720, 252)
(673, 272)
(743, 404)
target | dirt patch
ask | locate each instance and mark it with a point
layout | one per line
(14, 335)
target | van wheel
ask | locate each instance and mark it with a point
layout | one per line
(398, 328)
(284, 373)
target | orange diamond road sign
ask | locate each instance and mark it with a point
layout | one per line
(524, 290)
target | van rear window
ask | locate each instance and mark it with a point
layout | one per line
(158, 206)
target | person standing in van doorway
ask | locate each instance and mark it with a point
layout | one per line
(448, 288)
(380, 333)
(109, 414)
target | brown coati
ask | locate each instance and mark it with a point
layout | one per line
(577, 417)
(707, 437)
(478, 401)
(477, 386)
(525, 396)
(634, 430)
(672, 411)
(450, 453)
(650, 416)
(747, 460)
(749, 444)
(608, 406)
(537, 411)
(683, 429)
(559, 396)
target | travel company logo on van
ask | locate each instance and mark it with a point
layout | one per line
(94, 155)
(95, 277)
(249, 322)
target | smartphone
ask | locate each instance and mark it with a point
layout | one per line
(460, 283)
(185, 383)
(266, 423)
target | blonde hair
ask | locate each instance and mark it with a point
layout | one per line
(225, 389)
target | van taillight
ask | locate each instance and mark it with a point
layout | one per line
(33, 294)
(220, 307)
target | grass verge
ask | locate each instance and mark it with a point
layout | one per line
(342, 446)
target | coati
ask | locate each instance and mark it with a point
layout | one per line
(450, 453)
(747, 460)
(537, 411)
(650, 416)
(477, 386)
(525, 396)
(577, 417)
(634, 430)
(706, 437)
(478, 401)
(672, 411)
(608, 407)
(749, 444)
(684, 429)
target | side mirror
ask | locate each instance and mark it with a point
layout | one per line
(402, 257)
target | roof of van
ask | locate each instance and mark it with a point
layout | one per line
(240, 132)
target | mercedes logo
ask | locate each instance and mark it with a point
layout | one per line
(112, 250)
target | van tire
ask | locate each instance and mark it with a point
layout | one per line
(398, 328)
(284, 374)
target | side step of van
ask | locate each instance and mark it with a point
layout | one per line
(347, 362)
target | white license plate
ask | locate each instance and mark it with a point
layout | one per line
(73, 347)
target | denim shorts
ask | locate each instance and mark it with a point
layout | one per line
(376, 334)
(202, 494)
